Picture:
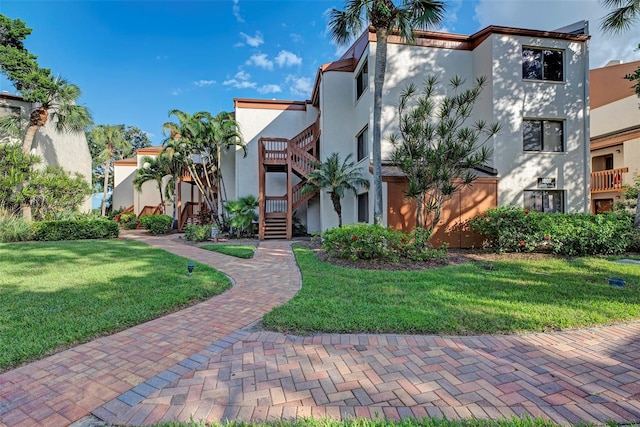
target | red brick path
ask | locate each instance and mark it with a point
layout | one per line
(199, 363)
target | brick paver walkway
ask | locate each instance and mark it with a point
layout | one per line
(202, 364)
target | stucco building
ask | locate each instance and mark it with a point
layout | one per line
(615, 133)
(537, 89)
(66, 149)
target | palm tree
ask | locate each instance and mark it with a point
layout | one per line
(622, 17)
(153, 169)
(336, 178)
(386, 18)
(112, 146)
(204, 136)
(57, 101)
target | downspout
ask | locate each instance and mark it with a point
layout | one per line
(586, 124)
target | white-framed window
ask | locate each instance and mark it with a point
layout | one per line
(362, 79)
(544, 200)
(362, 143)
(363, 207)
(542, 64)
(543, 135)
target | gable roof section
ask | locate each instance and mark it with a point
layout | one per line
(607, 84)
(433, 39)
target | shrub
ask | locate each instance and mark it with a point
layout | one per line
(156, 224)
(197, 233)
(128, 221)
(516, 229)
(364, 241)
(14, 228)
(75, 230)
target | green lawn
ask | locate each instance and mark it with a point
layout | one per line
(57, 294)
(238, 251)
(473, 298)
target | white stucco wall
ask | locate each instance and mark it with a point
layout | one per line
(618, 115)
(123, 191)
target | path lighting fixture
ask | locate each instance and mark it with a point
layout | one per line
(190, 267)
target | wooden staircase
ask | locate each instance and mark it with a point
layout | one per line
(294, 157)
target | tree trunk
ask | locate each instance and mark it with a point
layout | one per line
(636, 221)
(105, 185)
(28, 138)
(37, 118)
(378, 82)
(161, 198)
(419, 208)
(337, 206)
(26, 212)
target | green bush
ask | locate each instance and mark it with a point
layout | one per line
(75, 230)
(364, 241)
(516, 229)
(156, 224)
(197, 233)
(13, 228)
(128, 221)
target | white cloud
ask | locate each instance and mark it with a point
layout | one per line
(287, 59)
(242, 75)
(176, 92)
(202, 83)
(527, 14)
(269, 89)
(260, 60)
(236, 11)
(253, 41)
(296, 38)
(242, 80)
(300, 86)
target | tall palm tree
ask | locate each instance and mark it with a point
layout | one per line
(386, 18)
(57, 102)
(153, 169)
(623, 15)
(112, 145)
(335, 177)
(203, 137)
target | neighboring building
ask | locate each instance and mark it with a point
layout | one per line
(615, 133)
(537, 88)
(68, 150)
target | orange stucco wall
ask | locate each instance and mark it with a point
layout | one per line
(453, 226)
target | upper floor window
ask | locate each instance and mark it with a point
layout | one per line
(542, 64)
(543, 135)
(362, 79)
(363, 143)
(363, 207)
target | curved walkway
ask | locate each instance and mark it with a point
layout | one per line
(200, 363)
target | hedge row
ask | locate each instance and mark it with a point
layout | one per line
(75, 229)
(520, 230)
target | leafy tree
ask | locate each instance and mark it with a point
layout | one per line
(54, 193)
(386, 18)
(437, 148)
(53, 98)
(335, 177)
(153, 169)
(135, 138)
(197, 141)
(242, 214)
(107, 141)
(15, 170)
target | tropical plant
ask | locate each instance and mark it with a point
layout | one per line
(437, 149)
(109, 144)
(153, 169)
(197, 142)
(15, 170)
(335, 177)
(242, 214)
(622, 16)
(386, 18)
(55, 193)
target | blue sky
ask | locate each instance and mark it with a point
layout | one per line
(136, 60)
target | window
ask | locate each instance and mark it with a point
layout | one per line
(543, 135)
(362, 80)
(363, 207)
(542, 64)
(362, 143)
(544, 200)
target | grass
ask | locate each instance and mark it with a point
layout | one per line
(57, 294)
(472, 298)
(238, 251)
(382, 422)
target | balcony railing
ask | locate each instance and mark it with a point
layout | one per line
(608, 180)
